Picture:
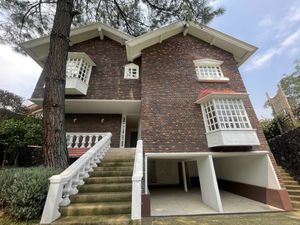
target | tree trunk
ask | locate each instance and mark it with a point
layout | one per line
(54, 71)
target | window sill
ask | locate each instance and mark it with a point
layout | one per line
(214, 80)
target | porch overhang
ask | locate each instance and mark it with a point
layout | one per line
(94, 106)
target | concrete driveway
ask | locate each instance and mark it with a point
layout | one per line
(278, 218)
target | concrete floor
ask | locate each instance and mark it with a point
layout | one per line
(174, 201)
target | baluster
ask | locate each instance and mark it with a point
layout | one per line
(90, 141)
(66, 193)
(77, 137)
(81, 176)
(83, 141)
(86, 170)
(75, 182)
(70, 140)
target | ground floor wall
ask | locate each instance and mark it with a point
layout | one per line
(95, 123)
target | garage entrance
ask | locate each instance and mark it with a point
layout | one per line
(229, 182)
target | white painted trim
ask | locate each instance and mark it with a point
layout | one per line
(240, 49)
(131, 66)
(221, 95)
(273, 173)
(146, 174)
(123, 131)
(194, 155)
(207, 62)
(81, 55)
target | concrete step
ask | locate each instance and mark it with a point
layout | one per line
(101, 197)
(113, 187)
(113, 168)
(112, 163)
(290, 182)
(294, 192)
(116, 219)
(296, 204)
(287, 178)
(118, 158)
(294, 197)
(292, 187)
(284, 174)
(103, 180)
(93, 209)
(110, 173)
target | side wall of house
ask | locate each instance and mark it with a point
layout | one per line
(107, 78)
(96, 123)
(171, 121)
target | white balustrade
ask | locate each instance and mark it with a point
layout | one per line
(66, 183)
(83, 140)
(136, 202)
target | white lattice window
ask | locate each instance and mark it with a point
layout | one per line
(79, 65)
(131, 71)
(209, 70)
(225, 114)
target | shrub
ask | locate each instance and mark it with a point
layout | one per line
(24, 191)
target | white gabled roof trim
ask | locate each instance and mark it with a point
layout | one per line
(38, 48)
(240, 49)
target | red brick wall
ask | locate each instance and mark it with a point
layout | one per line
(92, 123)
(171, 121)
(107, 78)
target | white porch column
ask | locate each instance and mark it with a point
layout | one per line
(208, 182)
(123, 131)
(184, 176)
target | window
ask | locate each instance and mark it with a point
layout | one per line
(131, 71)
(78, 67)
(225, 113)
(209, 70)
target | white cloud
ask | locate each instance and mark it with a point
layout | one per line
(266, 22)
(291, 39)
(18, 73)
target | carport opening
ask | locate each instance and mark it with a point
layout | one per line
(242, 182)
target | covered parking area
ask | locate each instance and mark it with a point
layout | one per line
(211, 183)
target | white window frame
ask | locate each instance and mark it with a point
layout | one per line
(128, 71)
(211, 66)
(236, 119)
(79, 65)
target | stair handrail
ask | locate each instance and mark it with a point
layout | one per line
(136, 201)
(63, 185)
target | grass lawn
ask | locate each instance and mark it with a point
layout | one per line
(5, 220)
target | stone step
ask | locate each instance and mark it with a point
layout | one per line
(110, 173)
(294, 197)
(113, 187)
(112, 163)
(122, 158)
(296, 204)
(287, 178)
(93, 209)
(116, 219)
(290, 182)
(294, 192)
(103, 180)
(284, 174)
(101, 197)
(113, 168)
(292, 187)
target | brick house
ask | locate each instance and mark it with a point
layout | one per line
(177, 88)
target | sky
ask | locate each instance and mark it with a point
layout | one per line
(272, 26)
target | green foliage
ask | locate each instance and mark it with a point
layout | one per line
(17, 133)
(11, 105)
(25, 20)
(270, 128)
(23, 191)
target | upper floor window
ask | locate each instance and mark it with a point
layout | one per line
(131, 71)
(225, 113)
(209, 70)
(79, 65)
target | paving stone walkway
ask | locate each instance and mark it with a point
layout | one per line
(278, 218)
